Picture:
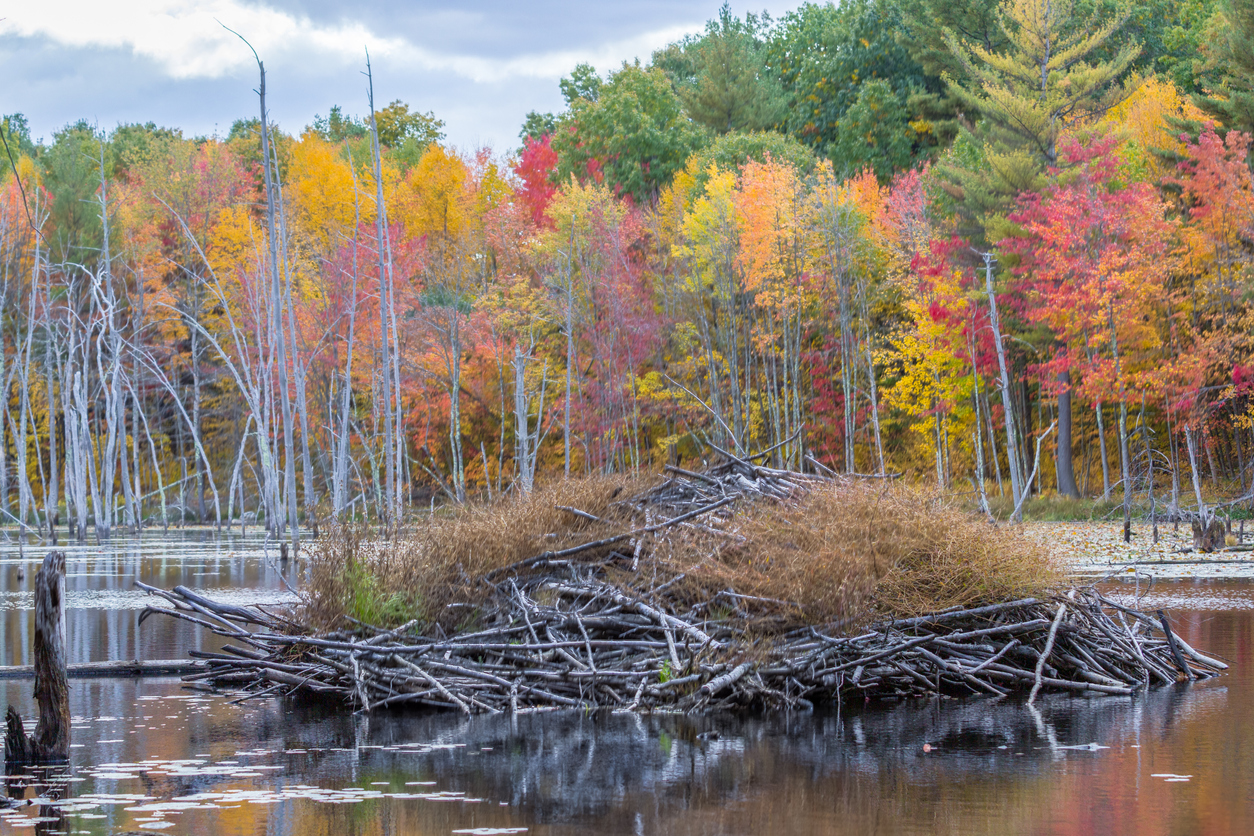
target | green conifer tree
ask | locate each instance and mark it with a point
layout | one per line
(926, 25)
(1042, 81)
(1228, 66)
(722, 75)
(1049, 77)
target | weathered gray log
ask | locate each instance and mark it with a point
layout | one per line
(1175, 649)
(52, 690)
(51, 741)
(119, 669)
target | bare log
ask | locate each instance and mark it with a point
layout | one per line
(119, 668)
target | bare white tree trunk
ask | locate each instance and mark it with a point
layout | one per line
(875, 404)
(51, 499)
(386, 318)
(156, 462)
(78, 446)
(339, 472)
(25, 496)
(526, 440)
(1016, 473)
(1191, 446)
(570, 351)
(1125, 463)
(108, 350)
(235, 472)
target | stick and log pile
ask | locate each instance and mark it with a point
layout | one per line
(590, 626)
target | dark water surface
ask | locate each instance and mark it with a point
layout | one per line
(151, 757)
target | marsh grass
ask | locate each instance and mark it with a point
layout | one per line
(1053, 507)
(1057, 508)
(439, 560)
(858, 552)
(845, 554)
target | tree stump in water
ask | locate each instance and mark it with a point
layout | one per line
(51, 741)
(1210, 537)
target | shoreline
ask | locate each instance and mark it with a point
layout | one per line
(1087, 550)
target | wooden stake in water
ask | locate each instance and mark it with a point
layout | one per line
(51, 741)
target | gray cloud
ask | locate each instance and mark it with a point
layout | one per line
(480, 68)
(504, 28)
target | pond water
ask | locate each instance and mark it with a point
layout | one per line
(152, 757)
(102, 617)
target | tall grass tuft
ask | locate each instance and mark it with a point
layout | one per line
(1056, 508)
(852, 553)
(439, 560)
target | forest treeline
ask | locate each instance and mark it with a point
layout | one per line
(1001, 246)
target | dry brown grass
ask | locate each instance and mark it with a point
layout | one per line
(857, 552)
(438, 561)
(840, 554)
(948, 557)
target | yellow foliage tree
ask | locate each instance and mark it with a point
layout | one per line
(1143, 121)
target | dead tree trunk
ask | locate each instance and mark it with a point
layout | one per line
(51, 741)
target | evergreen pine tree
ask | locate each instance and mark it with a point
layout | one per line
(1044, 79)
(1228, 66)
(722, 77)
(1047, 78)
(926, 25)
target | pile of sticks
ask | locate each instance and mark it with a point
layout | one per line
(685, 502)
(564, 630)
(591, 645)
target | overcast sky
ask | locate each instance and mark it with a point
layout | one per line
(479, 65)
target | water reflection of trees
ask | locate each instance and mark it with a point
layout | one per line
(623, 773)
(855, 772)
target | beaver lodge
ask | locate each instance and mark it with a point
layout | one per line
(740, 587)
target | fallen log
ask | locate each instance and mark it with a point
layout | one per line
(121, 668)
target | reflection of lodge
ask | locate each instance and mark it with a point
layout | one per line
(857, 768)
(857, 771)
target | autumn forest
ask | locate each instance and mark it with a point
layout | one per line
(1004, 249)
